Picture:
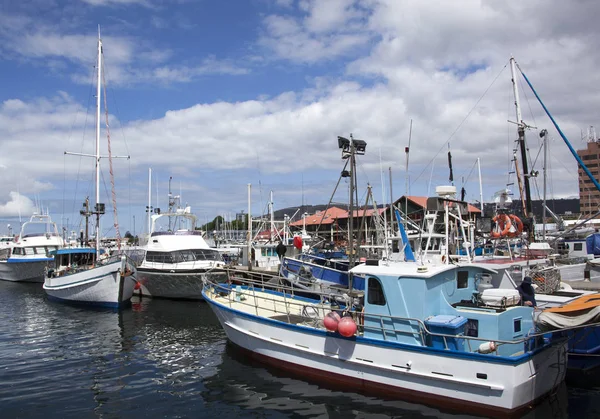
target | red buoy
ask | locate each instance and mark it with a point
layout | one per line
(298, 242)
(347, 327)
(331, 321)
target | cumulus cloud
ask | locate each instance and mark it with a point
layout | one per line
(321, 31)
(434, 64)
(16, 205)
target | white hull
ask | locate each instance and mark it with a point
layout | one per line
(446, 378)
(102, 285)
(184, 285)
(24, 271)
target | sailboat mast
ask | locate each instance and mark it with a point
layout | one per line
(521, 134)
(98, 93)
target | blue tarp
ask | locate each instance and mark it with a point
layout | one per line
(593, 244)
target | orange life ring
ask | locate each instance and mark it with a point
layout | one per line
(504, 225)
(518, 226)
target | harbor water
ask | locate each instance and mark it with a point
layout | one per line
(162, 358)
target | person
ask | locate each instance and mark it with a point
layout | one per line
(527, 292)
(281, 249)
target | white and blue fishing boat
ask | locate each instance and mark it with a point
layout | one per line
(80, 277)
(25, 259)
(413, 333)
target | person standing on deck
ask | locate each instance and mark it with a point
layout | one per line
(281, 249)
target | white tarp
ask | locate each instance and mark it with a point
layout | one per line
(550, 321)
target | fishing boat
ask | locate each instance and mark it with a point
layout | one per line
(81, 275)
(25, 259)
(414, 333)
(177, 256)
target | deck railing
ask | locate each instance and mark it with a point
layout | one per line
(247, 293)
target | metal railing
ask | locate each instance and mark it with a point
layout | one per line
(248, 294)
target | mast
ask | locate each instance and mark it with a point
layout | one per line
(521, 133)
(271, 216)
(351, 212)
(480, 186)
(544, 135)
(98, 93)
(149, 207)
(406, 151)
(250, 261)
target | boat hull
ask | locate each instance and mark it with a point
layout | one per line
(443, 378)
(23, 270)
(172, 284)
(103, 285)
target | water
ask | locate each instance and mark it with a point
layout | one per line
(170, 359)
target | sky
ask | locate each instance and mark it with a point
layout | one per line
(221, 94)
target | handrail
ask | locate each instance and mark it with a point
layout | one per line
(322, 306)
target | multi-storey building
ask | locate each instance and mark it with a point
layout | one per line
(589, 196)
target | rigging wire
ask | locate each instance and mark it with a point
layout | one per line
(461, 123)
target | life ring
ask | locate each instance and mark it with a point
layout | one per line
(504, 225)
(518, 226)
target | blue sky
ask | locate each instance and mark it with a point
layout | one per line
(219, 94)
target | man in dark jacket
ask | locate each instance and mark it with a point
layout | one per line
(527, 292)
(281, 249)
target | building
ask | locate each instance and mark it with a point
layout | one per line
(589, 196)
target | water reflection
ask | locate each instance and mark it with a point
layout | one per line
(151, 358)
(251, 386)
(163, 358)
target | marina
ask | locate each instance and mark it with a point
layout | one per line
(299, 209)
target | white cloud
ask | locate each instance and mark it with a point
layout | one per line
(323, 31)
(17, 205)
(429, 62)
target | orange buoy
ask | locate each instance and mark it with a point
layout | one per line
(331, 321)
(347, 326)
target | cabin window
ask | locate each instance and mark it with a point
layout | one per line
(395, 246)
(517, 325)
(159, 257)
(462, 279)
(578, 246)
(375, 296)
(472, 328)
(207, 254)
